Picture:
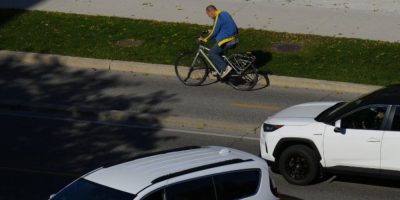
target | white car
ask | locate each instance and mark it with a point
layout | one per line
(190, 173)
(360, 137)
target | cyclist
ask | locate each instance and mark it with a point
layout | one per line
(225, 33)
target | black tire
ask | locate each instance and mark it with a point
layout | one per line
(299, 165)
(245, 81)
(274, 168)
(191, 75)
(271, 165)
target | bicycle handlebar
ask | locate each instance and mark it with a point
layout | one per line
(204, 32)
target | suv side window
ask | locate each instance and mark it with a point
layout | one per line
(396, 120)
(199, 189)
(159, 195)
(370, 118)
(237, 185)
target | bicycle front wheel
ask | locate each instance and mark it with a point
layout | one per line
(244, 81)
(191, 70)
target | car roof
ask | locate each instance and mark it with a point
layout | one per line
(136, 175)
(389, 95)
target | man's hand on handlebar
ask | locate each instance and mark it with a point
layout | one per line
(203, 34)
(201, 39)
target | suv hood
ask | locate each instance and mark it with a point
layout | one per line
(300, 114)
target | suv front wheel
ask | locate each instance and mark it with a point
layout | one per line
(299, 165)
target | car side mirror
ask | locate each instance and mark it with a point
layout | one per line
(338, 127)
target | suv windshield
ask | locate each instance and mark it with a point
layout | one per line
(331, 114)
(83, 189)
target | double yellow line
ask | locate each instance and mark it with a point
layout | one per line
(254, 106)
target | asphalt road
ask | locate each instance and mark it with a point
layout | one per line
(153, 96)
(41, 155)
(42, 151)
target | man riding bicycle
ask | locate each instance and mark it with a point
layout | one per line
(225, 33)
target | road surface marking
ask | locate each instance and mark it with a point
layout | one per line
(255, 106)
(210, 134)
(172, 130)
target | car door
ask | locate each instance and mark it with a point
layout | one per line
(242, 184)
(197, 189)
(390, 160)
(239, 184)
(357, 142)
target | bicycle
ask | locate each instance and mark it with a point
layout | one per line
(193, 68)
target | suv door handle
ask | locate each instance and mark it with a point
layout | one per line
(373, 140)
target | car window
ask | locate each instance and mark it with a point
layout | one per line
(159, 195)
(396, 120)
(83, 189)
(370, 118)
(199, 189)
(237, 185)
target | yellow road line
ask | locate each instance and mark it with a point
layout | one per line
(254, 106)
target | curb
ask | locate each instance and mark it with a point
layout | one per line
(168, 70)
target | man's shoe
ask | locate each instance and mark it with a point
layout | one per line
(214, 73)
(226, 72)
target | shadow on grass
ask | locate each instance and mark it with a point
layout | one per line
(10, 9)
(262, 59)
(40, 155)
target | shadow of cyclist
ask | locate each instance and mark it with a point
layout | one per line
(262, 58)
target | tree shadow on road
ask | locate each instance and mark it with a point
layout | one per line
(36, 150)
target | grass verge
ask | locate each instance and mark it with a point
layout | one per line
(327, 58)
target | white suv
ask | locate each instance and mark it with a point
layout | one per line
(190, 173)
(362, 137)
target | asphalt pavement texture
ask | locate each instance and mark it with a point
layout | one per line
(40, 156)
(157, 96)
(42, 151)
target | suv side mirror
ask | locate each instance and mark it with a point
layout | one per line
(338, 127)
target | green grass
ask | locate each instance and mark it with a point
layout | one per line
(328, 58)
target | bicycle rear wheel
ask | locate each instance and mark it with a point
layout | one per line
(244, 81)
(190, 70)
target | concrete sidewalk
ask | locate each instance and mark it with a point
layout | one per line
(366, 19)
(168, 70)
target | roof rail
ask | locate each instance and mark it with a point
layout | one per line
(160, 152)
(200, 168)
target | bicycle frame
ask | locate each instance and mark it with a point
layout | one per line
(203, 51)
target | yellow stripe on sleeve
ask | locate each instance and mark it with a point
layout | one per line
(215, 24)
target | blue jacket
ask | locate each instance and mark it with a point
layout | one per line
(224, 29)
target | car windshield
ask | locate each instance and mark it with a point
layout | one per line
(332, 113)
(83, 189)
